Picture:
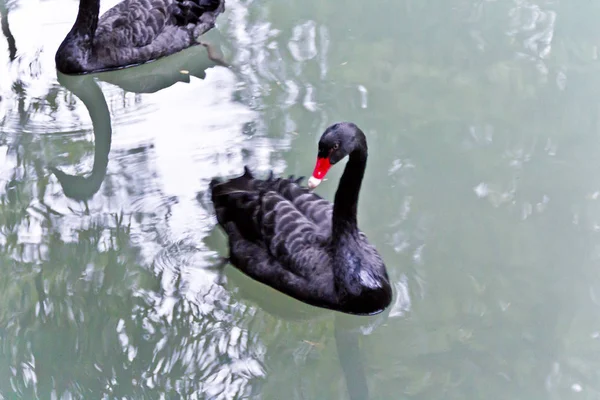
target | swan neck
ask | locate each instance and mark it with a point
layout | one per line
(346, 197)
(93, 99)
(87, 18)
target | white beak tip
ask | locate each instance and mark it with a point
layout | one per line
(313, 182)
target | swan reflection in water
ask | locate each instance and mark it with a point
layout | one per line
(347, 329)
(150, 78)
(297, 243)
(147, 78)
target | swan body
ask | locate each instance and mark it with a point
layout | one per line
(133, 32)
(291, 239)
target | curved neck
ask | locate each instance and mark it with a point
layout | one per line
(346, 196)
(12, 47)
(91, 95)
(96, 104)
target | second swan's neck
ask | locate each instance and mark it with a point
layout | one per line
(87, 18)
(346, 196)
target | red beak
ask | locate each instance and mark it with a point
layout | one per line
(319, 173)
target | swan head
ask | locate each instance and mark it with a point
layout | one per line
(78, 188)
(338, 141)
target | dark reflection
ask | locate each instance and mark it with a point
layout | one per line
(82, 188)
(147, 78)
(85, 311)
(505, 287)
(347, 329)
(12, 45)
(348, 349)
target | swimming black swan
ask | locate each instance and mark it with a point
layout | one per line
(291, 239)
(133, 32)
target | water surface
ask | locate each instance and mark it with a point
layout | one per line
(481, 194)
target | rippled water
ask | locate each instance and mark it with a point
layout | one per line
(481, 193)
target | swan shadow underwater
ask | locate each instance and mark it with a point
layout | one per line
(147, 78)
(133, 32)
(348, 330)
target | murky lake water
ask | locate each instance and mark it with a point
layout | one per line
(482, 193)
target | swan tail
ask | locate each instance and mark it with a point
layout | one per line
(241, 184)
(237, 201)
(241, 210)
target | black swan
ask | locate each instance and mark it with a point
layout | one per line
(133, 32)
(293, 240)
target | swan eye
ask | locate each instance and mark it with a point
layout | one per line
(336, 146)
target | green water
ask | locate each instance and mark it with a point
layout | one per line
(482, 194)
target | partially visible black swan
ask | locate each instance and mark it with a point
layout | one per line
(291, 239)
(133, 32)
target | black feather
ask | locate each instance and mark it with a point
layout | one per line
(133, 32)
